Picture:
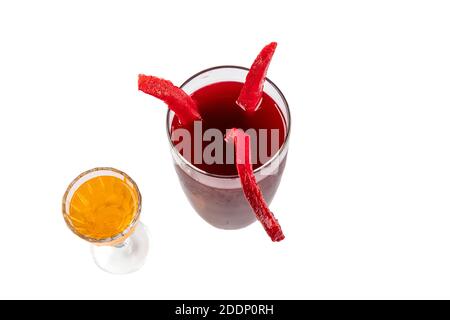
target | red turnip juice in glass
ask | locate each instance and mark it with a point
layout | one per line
(213, 188)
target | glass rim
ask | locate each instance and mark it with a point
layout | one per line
(121, 234)
(265, 165)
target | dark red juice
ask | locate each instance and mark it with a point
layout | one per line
(218, 108)
(223, 204)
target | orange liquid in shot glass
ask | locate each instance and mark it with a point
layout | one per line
(103, 207)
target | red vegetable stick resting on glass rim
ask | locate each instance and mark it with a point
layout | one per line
(251, 189)
(250, 97)
(177, 100)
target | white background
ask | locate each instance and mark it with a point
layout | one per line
(364, 201)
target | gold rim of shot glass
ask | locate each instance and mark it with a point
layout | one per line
(110, 241)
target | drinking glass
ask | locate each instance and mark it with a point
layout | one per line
(219, 199)
(123, 252)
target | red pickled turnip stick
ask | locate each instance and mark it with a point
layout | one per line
(251, 189)
(177, 100)
(251, 93)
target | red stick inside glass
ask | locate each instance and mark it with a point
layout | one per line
(251, 189)
(176, 99)
(251, 93)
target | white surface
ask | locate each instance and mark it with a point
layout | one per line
(364, 201)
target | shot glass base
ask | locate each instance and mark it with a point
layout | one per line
(125, 258)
